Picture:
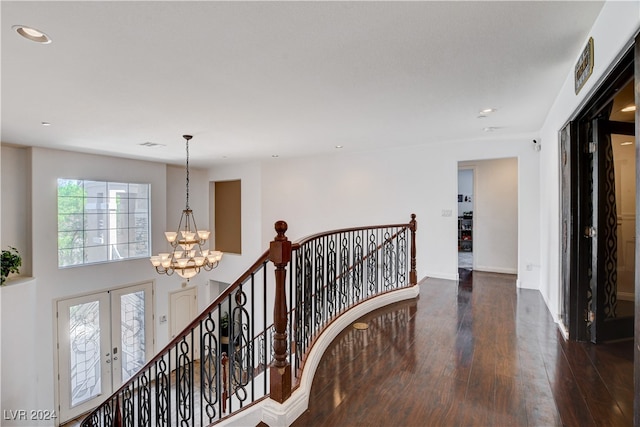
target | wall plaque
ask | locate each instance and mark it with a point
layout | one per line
(584, 66)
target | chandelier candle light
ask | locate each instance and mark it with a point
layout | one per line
(187, 257)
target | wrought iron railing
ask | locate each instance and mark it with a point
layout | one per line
(216, 367)
(332, 272)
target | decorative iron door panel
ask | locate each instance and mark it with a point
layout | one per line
(606, 323)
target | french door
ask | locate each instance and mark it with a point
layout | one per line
(103, 340)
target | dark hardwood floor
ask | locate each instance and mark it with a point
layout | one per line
(478, 353)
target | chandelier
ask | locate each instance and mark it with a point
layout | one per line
(188, 257)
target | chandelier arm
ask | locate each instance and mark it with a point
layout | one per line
(187, 220)
(208, 266)
(162, 270)
(195, 228)
(176, 242)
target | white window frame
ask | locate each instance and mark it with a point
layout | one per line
(90, 225)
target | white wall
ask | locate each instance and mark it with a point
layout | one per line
(19, 350)
(19, 312)
(495, 216)
(30, 304)
(349, 189)
(612, 33)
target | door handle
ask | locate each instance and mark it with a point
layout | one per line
(590, 232)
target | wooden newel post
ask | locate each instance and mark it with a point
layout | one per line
(413, 274)
(280, 370)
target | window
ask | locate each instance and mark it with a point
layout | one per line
(102, 221)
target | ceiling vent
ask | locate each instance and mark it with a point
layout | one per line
(151, 144)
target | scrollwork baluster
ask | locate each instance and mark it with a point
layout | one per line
(208, 368)
(183, 383)
(319, 285)
(372, 264)
(357, 267)
(162, 394)
(144, 399)
(344, 273)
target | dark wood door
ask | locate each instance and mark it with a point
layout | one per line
(636, 352)
(606, 322)
(568, 203)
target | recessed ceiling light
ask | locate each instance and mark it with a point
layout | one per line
(274, 156)
(45, 124)
(339, 146)
(490, 129)
(627, 143)
(485, 112)
(32, 34)
(629, 109)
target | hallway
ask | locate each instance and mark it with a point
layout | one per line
(481, 354)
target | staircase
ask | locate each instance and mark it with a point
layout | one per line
(251, 346)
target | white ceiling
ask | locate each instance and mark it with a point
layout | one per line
(254, 79)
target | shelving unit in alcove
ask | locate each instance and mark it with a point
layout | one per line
(465, 232)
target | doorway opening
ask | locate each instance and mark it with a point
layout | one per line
(625, 169)
(465, 218)
(598, 168)
(488, 216)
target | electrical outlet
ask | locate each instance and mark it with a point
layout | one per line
(446, 212)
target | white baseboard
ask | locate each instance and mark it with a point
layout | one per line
(525, 285)
(441, 275)
(563, 330)
(501, 270)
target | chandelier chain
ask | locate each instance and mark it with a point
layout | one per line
(187, 173)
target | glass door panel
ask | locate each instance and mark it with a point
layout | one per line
(84, 359)
(84, 348)
(132, 332)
